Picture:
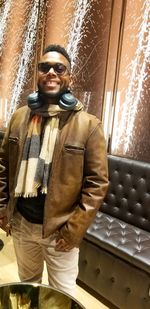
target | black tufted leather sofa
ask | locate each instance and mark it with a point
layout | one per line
(115, 253)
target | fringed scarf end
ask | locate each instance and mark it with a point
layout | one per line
(44, 190)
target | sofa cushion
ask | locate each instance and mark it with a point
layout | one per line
(128, 197)
(122, 239)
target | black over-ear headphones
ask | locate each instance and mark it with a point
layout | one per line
(66, 101)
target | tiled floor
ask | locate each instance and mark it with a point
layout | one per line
(8, 273)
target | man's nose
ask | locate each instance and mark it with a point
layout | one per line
(51, 71)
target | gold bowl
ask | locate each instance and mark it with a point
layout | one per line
(35, 296)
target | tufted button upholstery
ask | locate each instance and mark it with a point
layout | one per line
(120, 238)
(128, 196)
(122, 226)
(116, 246)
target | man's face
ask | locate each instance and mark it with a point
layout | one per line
(53, 74)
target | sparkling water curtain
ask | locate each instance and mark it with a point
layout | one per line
(27, 26)
(132, 112)
(83, 27)
(88, 45)
(18, 44)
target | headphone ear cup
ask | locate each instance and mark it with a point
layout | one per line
(67, 101)
(34, 101)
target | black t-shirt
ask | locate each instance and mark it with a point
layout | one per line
(32, 208)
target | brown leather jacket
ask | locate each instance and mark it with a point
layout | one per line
(78, 180)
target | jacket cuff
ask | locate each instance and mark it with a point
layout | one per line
(69, 237)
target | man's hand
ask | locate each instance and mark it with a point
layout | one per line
(62, 245)
(3, 222)
(4, 225)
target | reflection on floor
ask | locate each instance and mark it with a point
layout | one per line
(8, 273)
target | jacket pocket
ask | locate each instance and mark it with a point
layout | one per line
(13, 160)
(72, 164)
(13, 139)
(74, 149)
(13, 148)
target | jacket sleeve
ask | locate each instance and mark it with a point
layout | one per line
(95, 184)
(4, 172)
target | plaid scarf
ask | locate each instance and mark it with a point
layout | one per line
(38, 151)
(36, 160)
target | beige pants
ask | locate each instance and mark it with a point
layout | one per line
(32, 250)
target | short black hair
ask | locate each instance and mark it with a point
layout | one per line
(58, 48)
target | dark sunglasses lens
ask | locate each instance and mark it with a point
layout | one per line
(43, 67)
(59, 68)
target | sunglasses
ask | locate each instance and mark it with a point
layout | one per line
(59, 68)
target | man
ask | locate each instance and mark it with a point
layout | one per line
(53, 176)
